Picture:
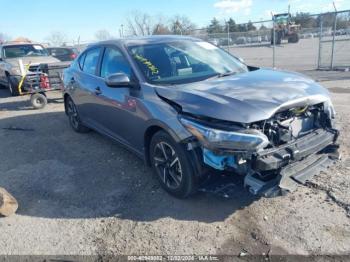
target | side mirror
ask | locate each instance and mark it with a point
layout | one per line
(118, 80)
(0, 59)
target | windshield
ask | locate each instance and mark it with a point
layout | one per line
(15, 51)
(184, 62)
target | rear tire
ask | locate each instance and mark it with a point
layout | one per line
(38, 100)
(74, 119)
(294, 38)
(171, 164)
(12, 87)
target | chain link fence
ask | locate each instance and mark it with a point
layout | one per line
(303, 42)
(334, 41)
(300, 43)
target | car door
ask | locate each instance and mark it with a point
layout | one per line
(117, 105)
(86, 81)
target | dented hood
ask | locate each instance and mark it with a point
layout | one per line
(247, 97)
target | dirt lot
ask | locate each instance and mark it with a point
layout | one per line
(83, 194)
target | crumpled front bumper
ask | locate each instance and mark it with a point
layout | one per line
(295, 162)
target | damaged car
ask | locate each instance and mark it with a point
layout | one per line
(192, 110)
(19, 59)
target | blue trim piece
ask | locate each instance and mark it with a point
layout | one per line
(218, 162)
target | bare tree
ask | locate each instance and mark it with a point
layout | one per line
(57, 38)
(181, 25)
(161, 29)
(3, 37)
(102, 35)
(141, 24)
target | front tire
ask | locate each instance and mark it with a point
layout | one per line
(172, 166)
(12, 87)
(74, 119)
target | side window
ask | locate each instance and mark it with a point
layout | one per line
(91, 61)
(114, 62)
(81, 60)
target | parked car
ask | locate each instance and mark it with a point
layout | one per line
(12, 54)
(188, 107)
(63, 53)
(214, 41)
(241, 40)
(256, 39)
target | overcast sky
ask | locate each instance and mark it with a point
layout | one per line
(35, 19)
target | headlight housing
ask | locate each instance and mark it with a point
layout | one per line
(240, 140)
(16, 71)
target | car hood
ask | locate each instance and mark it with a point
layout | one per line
(32, 60)
(247, 97)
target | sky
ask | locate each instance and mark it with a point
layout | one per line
(36, 19)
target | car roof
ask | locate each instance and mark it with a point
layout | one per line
(18, 43)
(154, 39)
(60, 47)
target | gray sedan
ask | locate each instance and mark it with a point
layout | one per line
(188, 109)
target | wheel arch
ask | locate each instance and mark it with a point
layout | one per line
(149, 133)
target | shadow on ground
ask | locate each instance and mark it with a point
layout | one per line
(56, 173)
(22, 104)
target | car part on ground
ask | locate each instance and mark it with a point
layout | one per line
(190, 110)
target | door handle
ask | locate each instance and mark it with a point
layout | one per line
(98, 91)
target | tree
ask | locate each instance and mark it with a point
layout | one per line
(263, 27)
(242, 28)
(232, 26)
(214, 27)
(57, 38)
(250, 26)
(140, 24)
(181, 25)
(161, 29)
(102, 35)
(3, 37)
(305, 20)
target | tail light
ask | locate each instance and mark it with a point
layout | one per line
(73, 56)
(44, 82)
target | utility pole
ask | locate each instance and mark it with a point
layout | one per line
(122, 31)
(334, 29)
(228, 35)
(274, 41)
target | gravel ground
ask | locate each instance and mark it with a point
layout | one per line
(82, 194)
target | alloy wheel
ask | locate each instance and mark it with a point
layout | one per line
(73, 114)
(168, 165)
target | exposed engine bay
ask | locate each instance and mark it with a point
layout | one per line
(296, 144)
(293, 123)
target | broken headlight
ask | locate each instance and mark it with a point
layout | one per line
(242, 139)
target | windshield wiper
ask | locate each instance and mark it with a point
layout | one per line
(226, 74)
(219, 75)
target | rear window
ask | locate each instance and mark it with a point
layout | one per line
(59, 51)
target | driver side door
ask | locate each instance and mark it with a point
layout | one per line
(116, 106)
